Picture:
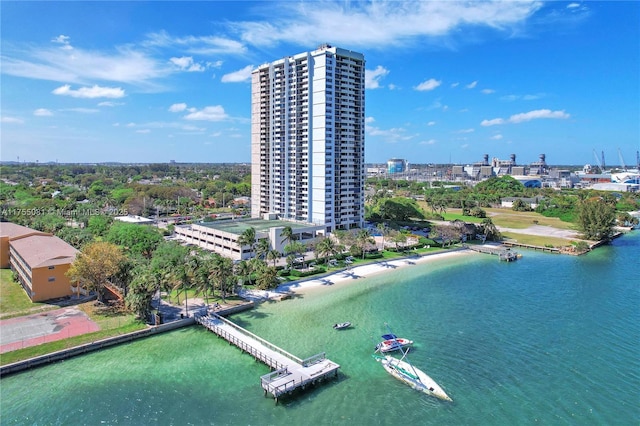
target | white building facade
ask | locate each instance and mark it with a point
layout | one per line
(307, 138)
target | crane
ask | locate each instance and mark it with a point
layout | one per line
(624, 168)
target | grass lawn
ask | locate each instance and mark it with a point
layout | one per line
(13, 299)
(537, 240)
(511, 219)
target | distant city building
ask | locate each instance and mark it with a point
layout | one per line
(307, 138)
(397, 165)
(134, 219)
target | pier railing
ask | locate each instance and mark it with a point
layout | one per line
(236, 341)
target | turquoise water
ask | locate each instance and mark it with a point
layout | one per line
(549, 339)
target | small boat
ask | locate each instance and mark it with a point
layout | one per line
(341, 325)
(412, 376)
(392, 343)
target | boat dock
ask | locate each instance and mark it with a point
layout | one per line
(503, 253)
(290, 372)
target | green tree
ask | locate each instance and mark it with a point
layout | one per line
(273, 256)
(248, 238)
(596, 219)
(94, 265)
(135, 239)
(142, 287)
(326, 248)
(363, 240)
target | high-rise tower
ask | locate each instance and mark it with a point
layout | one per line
(307, 138)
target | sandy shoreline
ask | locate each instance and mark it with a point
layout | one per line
(350, 274)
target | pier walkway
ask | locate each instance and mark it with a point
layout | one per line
(502, 252)
(290, 372)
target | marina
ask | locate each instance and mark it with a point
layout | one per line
(290, 372)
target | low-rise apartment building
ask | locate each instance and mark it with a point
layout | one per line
(222, 236)
(40, 261)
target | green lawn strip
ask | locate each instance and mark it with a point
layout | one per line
(14, 302)
(536, 240)
(58, 345)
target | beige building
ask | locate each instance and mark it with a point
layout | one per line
(40, 261)
(222, 236)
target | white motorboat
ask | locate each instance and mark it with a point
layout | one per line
(392, 343)
(341, 325)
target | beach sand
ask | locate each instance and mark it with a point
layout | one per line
(349, 275)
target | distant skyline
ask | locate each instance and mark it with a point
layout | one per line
(447, 82)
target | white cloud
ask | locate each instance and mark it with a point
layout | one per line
(539, 113)
(110, 104)
(393, 135)
(430, 84)
(186, 63)
(372, 77)
(573, 5)
(64, 41)
(472, 85)
(204, 46)
(90, 92)
(431, 123)
(210, 113)
(239, 76)
(429, 142)
(466, 131)
(369, 120)
(143, 131)
(455, 84)
(11, 120)
(42, 112)
(496, 137)
(82, 110)
(528, 116)
(124, 65)
(178, 107)
(492, 122)
(379, 24)
(487, 91)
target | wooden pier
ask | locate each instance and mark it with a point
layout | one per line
(502, 252)
(290, 372)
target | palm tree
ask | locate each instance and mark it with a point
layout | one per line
(267, 277)
(382, 227)
(399, 238)
(262, 248)
(243, 270)
(295, 248)
(363, 238)
(287, 235)
(273, 256)
(221, 273)
(326, 248)
(248, 238)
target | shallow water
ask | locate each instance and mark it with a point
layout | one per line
(548, 339)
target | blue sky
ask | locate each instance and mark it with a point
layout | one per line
(446, 81)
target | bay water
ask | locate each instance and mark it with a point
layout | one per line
(549, 339)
